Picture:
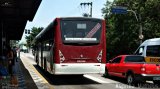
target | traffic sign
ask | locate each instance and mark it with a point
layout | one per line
(119, 10)
(141, 37)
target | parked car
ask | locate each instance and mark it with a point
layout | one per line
(133, 68)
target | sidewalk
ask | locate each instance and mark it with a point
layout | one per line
(24, 79)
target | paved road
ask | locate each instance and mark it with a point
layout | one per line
(89, 81)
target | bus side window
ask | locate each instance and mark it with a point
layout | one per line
(153, 51)
(51, 43)
(47, 46)
(140, 51)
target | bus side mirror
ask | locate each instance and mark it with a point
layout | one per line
(140, 51)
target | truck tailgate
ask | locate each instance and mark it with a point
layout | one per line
(152, 68)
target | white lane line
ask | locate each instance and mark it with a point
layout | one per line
(95, 79)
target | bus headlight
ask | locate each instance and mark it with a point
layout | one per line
(99, 58)
(62, 58)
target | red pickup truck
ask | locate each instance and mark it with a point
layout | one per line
(133, 68)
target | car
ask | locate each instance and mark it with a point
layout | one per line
(133, 68)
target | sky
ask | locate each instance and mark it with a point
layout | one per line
(50, 9)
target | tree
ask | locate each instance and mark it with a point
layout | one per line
(123, 29)
(34, 32)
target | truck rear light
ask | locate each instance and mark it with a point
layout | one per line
(143, 69)
(62, 58)
(99, 58)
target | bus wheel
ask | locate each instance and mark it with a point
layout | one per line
(37, 60)
(45, 65)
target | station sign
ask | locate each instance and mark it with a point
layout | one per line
(119, 10)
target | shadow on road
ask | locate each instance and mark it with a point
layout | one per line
(65, 79)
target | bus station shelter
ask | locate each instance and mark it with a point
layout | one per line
(14, 15)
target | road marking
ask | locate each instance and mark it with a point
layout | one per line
(95, 79)
(39, 80)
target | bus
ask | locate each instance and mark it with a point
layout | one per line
(150, 49)
(72, 45)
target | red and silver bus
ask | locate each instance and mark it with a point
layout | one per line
(72, 45)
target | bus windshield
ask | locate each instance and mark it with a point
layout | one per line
(81, 31)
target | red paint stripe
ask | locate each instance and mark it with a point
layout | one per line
(93, 31)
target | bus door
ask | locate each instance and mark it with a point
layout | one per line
(52, 58)
(41, 54)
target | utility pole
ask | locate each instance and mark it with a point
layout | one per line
(140, 30)
(88, 4)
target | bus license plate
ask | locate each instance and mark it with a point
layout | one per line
(81, 61)
(156, 78)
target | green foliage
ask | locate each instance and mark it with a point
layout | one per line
(123, 29)
(34, 32)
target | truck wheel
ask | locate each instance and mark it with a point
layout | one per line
(130, 79)
(156, 82)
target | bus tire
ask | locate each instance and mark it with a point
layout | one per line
(45, 65)
(37, 60)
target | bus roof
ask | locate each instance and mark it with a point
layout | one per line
(153, 41)
(89, 18)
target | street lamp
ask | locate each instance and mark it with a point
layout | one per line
(140, 30)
